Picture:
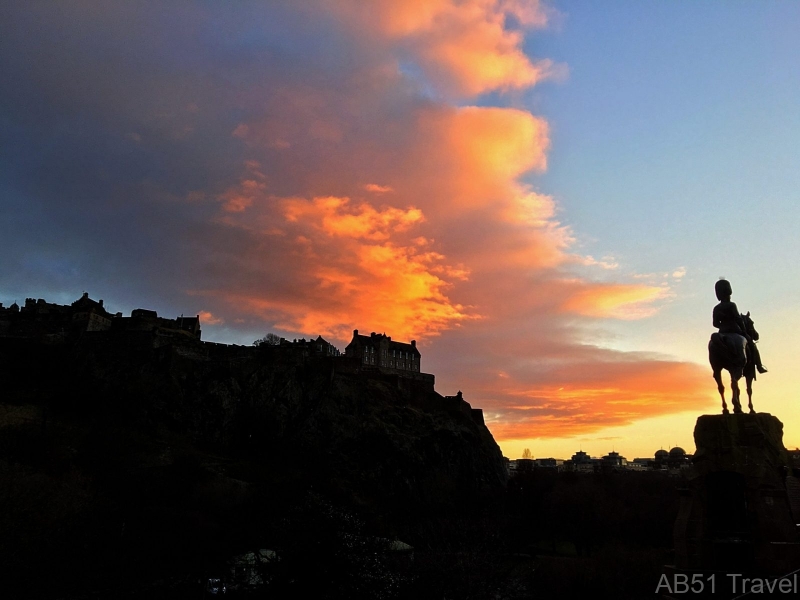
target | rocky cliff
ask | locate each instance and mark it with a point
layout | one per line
(136, 451)
(380, 440)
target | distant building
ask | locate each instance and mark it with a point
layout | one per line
(581, 462)
(554, 464)
(40, 318)
(317, 347)
(633, 465)
(523, 465)
(379, 350)
(580, 457)
(614, 460)
(142, 319)
(661, 460)
(678, 459)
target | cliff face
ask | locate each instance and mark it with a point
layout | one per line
(378, 440)
(149, 459)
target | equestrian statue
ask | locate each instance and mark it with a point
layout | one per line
(733, 348)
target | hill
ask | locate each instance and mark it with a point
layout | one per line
(134, 455)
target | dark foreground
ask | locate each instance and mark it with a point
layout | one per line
(141, 466)
(81, 522)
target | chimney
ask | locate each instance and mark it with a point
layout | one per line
(100, 302)
(413, 343)
(355, 332)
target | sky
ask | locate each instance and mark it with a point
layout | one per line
(541, 194)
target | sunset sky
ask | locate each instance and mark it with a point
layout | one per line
(541, 194)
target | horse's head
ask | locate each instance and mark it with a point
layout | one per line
(749, 328)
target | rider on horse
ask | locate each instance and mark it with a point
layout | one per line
(729, 320)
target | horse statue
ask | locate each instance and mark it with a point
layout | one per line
(730, 351)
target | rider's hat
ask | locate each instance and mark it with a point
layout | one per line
(723, 289)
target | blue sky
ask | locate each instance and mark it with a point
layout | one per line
(676, 143)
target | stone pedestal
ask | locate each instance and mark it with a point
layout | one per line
(735, 514)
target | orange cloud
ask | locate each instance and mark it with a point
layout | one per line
(206, 318)
(494, 145)
(242, 196)
(614, 300)
(467, 258)
(278, 146)
(620, 396)
(378, 189)
(335, 217)
(464, 47)
(351, 265)
(378, 286)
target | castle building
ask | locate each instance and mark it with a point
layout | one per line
(38, 317)
(89, 314)
(142, 319)
(379, 350)
(317, 347)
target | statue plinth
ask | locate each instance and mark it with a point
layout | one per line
(735, 515)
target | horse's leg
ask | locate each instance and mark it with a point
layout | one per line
(749, 381)
(737, 405)
(721, 389)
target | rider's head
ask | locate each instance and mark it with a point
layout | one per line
(723, 290)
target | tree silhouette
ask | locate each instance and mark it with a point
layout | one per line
(271, 339)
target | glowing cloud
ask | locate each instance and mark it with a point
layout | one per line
(334, 217)
(378, 189)
(206, 318)
(616, 301)
(315, 167)
(618, 395)
(463, 47)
